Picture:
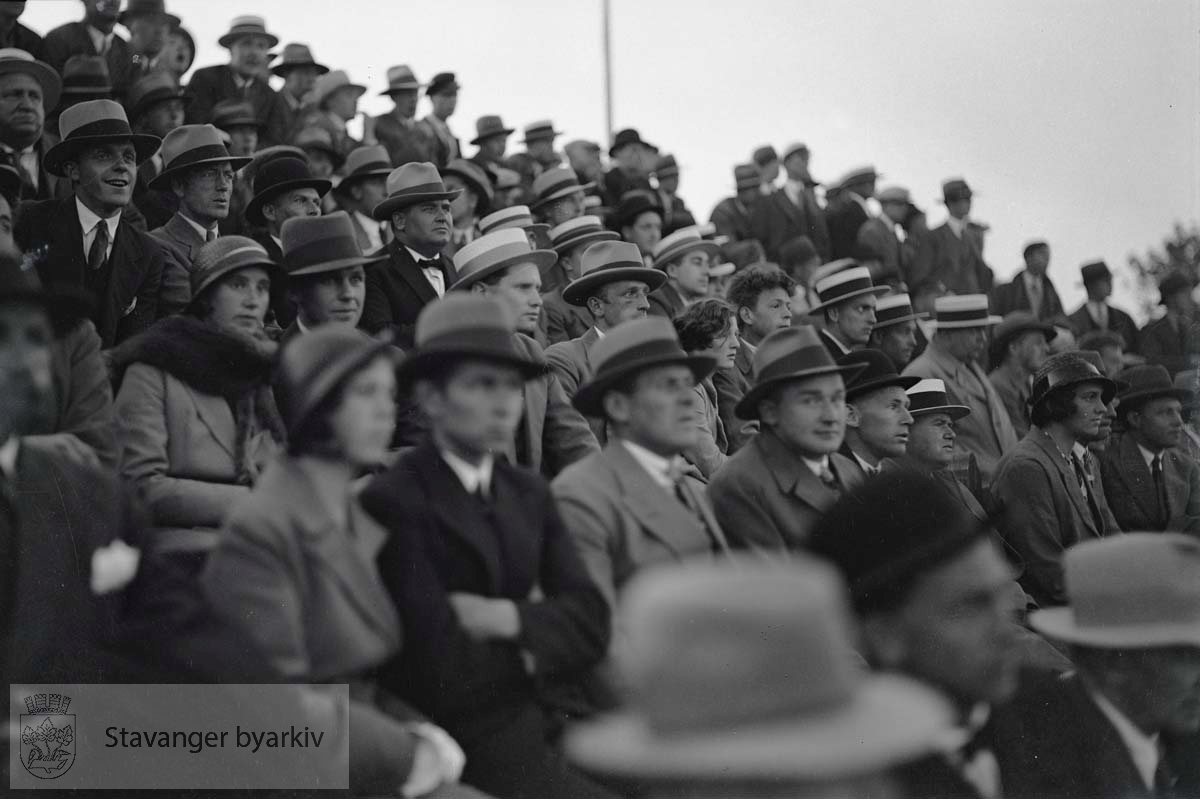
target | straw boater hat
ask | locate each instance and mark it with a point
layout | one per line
(368, 161)
(223, 255)
(632, 348)
(409, 184)
(463, 325)
(929, 396)
(680, 243)
(605, 262)
(276, 177)
(191, 146)
(790, 701)
(14, 60)
(489, 254)
(1132, 591)
(540, 130)
(514, 217)
(94, 122)
(879, 371)
(400, 78)
(961, 311)
(149, 91)
(488, 126)
(555, 184)
(844, 284)
(579, 232)
(470, 173)
(315, 244)
(247, 25)
(297, 55)
(1064, 370)
(795, 353)
(895, 309)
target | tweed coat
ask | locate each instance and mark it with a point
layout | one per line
(1131, 494)
(180, 242)
(572, 365)
(776, 220)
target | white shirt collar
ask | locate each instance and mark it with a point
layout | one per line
(202, 231)
(816, 466)
(474, 478)
(658, 466)
(303, 328)
(278, 241)
(957, 226)
(241, 82)
(88, 220)
(8, 457)
(100, 39)
(599, 332)
(416, 256)
(1143, 748)
(1148, 456)
(866, 467)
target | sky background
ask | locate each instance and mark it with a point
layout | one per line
(1077, 121)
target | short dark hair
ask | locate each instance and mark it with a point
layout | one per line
(1057, 406)
(1033, 247)
(703, 323)
(1097, 340)
(797, 252)
(748, 284)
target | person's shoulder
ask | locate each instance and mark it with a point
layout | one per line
(743, 468)
(589, 474)
(211, 72)
(65, 32)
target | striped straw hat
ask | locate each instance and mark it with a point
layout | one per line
(894, 309)
(680, 243)
(517, 217)
(555, 184)
(929, 396)
(959, 311)
(579, 232)
(495, 251)
(838, 286)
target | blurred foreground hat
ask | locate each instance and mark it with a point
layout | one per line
(315, 244)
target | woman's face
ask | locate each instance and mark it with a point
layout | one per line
(240, 300)
(725, 348)
(366, 417)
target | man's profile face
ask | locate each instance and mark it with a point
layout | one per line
(855, 319)
(882, 420)
(427, 224)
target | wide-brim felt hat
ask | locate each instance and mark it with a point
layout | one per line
(367, 161)
(1149, 381)
(87, 76)
(626, 137)
(297, 55)
(555, 184)
(235, 113)
(495, 252)
(276, 177)
(244, 26)
(95, 122)
(488, 126)
(1013, 326)
(401, 78)
(149, 91)
(315, 244)
(190, 146)
(221, 256)
(632, 205)
(609, 261)
(631, 348)
(785, 356)
(476, 178)
(878, 372)
(409, 184)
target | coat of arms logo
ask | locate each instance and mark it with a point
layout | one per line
(47, 736)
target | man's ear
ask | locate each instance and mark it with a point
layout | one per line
(268, 212)
(852, 419)
(616, 406)
(745, 315)
(479, 287)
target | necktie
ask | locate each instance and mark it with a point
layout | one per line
(209, 235)
(1160, 491)
(829, 480)
(1035, 298)
(98, 253)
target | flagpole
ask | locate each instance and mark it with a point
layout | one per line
(608, 115)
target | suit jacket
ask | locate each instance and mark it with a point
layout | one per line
(1174, 344)
(1015, 395)
(731, 218)
(776, 220)
(732, 385)
(180, 242)
(1118, 322)
(51, 231)
(571, 364)
(1013, 296)
(878, 236)
(767, 498)
(1042, 512)
(73, 39)
(835, 348)
(562, 321)
(1130, 488)
(210, 85)
(622, 521)
(666, 301)
(675, 213)
(987, 433)
(405, 144)
(843, 224)
(25, 39)
(958, 263)
(552, 435)
(709, 454)
(397, 291)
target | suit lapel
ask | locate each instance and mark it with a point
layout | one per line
(662, 515)
(792, 475)
(1066, 474)
(1137, 478)
(781, 199)
(178, 228)
(217, 417)
(408, 271)
(459, 512)
(1113, 765)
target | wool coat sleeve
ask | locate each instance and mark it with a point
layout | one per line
(594, 529)
(1029, 522)
(377, 310)
(567, 437)
(744, 512)
(85, 394)
(706, 456)
(142, 428)
(564, 368)
(176, 290)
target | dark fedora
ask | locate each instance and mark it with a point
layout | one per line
(149, 91)
(488, 126)
(634, 347)
(93, 122)
(625, 138)
(1065, 370)
(223, 255)
(878, 372)
(247, 25)
(494, 252)
(146, 8)
(476, 179)
(895, 309)
(579, 232)
(65, 304)
(409, 184)
(297, 55)
(14, 60)
(928, 395)
(1147, 382)
(465, 325)
(1173, 284)
(746, 176)
(368, 161)
(86, 76)
(539, 131)
(609, 261)
(1096, 270)
(314, 244)
(276, 177)
(555, 184)
(795, 353)
(190, 146)
(632, 205)
(841, 285)
(313, 365)
(228, 114)
(442, 83)
(955, 189)
(764, 155)
(401, 78)
(1015, 325)
(318, 139)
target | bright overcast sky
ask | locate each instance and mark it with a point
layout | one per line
(1074, 120)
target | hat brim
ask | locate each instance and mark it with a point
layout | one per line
(389, 91)
(899, 320)
(254, 214)
(149, 102)
(280, 70)
(866, 387)
(486, 136)
(560, 194)
(163, 179)
(419, 362)
(878, 291)
(218, 273)
(711, 247)
(577, 291)
(229, 38)
(589, 399)
(385, 209)
(358, 177)
(890, 720)
(953, 411)
(334, 266)
(552, 134)
(1131, 397)
(544, 259)
(987, 321)
(144, 145)
(586, 239)
(1061, 625)
(612, 151)
(747, 407)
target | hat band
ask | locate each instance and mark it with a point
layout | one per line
(321, 251)
(926, 400)
(565, 183)
(494, 255)
(1075, 374)
(898, 312)
(844, 289)
(207, 152)
(373, 166)
(801, 360)
(511, 222)
(654, 349)
(972, 315)
(419, 189)
(101, 127)
(578, 235)
(610, 266)
(679, 249)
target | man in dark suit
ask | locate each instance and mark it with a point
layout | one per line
(771, 492)
(84, 240)
(362, 187)
(242, 78)
(1173, 340)
(94, 35)
(953, 252)
(1096, 313)
(732, 216)
(849, 213)
(783, 215)
(878, 237)
(483, 573)
(877, 417)
(416, 272)
(14, 34)
(1150, 484)
(1031, 289)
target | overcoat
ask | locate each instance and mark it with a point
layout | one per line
(397, 290)
(1129, 486)
(179, 242)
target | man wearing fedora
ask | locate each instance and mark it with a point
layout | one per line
(1151, 485)
(442, 92)
(1045, 495)
(846, 300)
(236, 119)
(638, 217)
(750, 729)
(84, 77)
(406, 140)
(483, 572)
(84, 240)
(1096, 313)
(733, 216)
(155, 105)
(630, 170)
(28, 90)
(953, 251)
(199, 170)
(94, 35)
(953, 355)
(1173, 340)
(491, 139)
(635, 503)
(684, 257)
(880, 236)
(895, 329)
(675, 212)
(474, 200)
(1020, 345)
(1030, 289)
(244, 77)
(417, 208)
(784, 215)
(771, 492)
(333, 103)
(324, 269)
(877, 416)
(539, 144)
(299, 71)
(362, 187)
(846, 217)
(504, 266)
(563, 321)
(934, 601)
(1113, 728)
(558, 196)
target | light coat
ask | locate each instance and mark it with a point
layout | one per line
(180, 242)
